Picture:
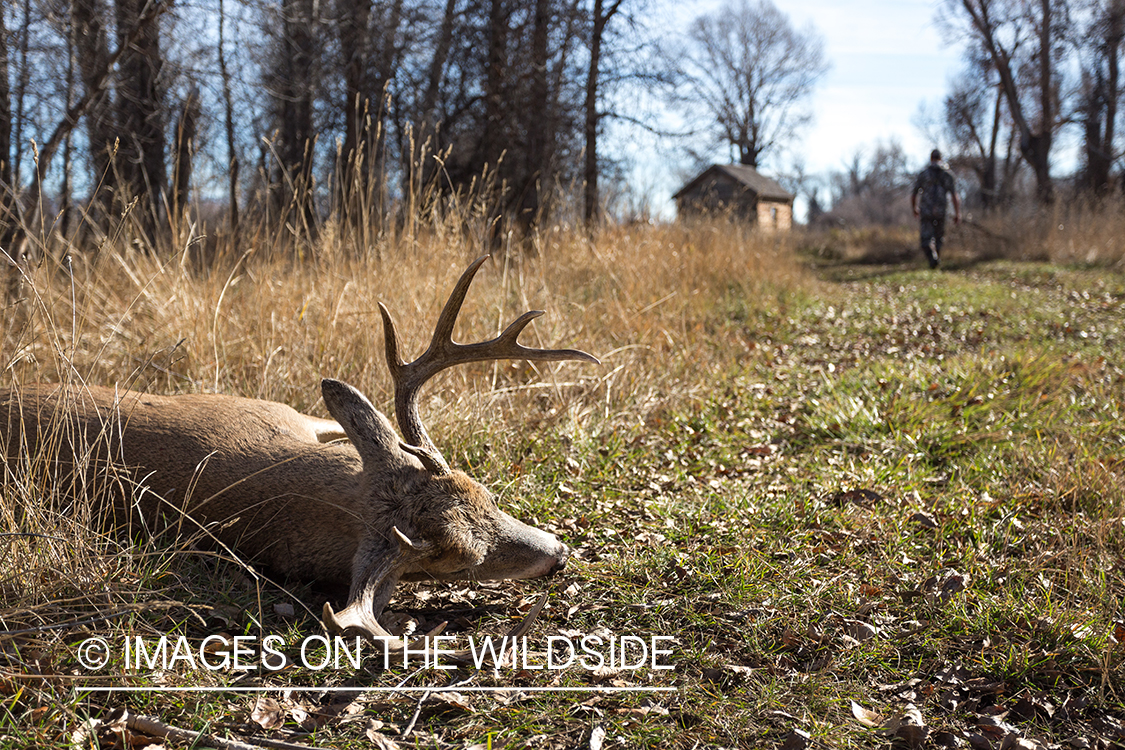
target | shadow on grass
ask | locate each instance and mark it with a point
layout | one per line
(878, 255)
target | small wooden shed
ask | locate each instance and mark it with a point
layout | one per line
(741, 190)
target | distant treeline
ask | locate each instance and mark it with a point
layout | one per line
(300, 109)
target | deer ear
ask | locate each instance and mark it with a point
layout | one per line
(369, 430)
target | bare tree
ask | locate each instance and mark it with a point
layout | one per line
(872, 190)
(751, 72)
(20, 49)
(603, 13)
(13, 286)
(516, 91)
(1021, 40)
(92, 53)
(140, 113)
(9, 207)
(369, 46)
(6, 188)
(1100, 47)
(187, 131)
(233, 162)
(497, 77)
(537, 155)
(977, 125)
(292, 83)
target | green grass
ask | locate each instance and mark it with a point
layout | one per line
(886, 486)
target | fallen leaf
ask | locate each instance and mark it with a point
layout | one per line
(925, 520)
(866, 717)
(947, 739)
(863, 498)
(907, 726)
(910, 627)
(978, 741)
(870, 591)
(379, 741)
(796, 740)
(603, 673)
(1118, 635)
(739, 670)
(451, 701)
(267, 713)
(642, 711)
(859, 630)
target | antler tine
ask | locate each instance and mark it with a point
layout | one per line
(443, 353)
(360, 615)
(443, 330)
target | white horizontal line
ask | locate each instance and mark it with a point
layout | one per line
(432, 689)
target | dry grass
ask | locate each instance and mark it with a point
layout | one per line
(903, 487)
(1079, 232)
(270, 327)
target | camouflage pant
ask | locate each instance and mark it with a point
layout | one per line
(933, 231)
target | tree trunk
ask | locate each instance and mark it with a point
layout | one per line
(539, 118)
(140, 115)
(8, 217)
(590, 171)
(1040, 150)
(19, 121)
(228, 121)
(92, 54)
(386, 68)
(9, 221)
(1035, 147)
(492, 142)
(295, 122)
(418, 171)
(66, 196)
(186, 132)
(1114, 39)
(601, 19)
(988, 184)
(1100, 105)
(354, 19)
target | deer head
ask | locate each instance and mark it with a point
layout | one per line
(435, 522)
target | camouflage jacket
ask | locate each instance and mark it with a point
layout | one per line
(934, 183)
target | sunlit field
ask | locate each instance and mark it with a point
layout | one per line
(859, 502)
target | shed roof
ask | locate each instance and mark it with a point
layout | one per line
(762, 186)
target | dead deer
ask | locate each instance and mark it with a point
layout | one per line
(282, 488)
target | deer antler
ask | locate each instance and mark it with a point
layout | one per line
(360, 614)
(361, 617)
(444, 353)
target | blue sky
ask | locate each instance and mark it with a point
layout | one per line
(887, 57)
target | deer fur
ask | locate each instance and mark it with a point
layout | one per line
(283, 488)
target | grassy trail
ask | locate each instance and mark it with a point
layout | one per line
(879, 504)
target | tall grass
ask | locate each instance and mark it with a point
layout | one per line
(660, 306)
(1076, 232)
(663, 307)
(270, 325)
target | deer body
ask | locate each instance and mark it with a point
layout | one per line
(293, 494)
(269, 483)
